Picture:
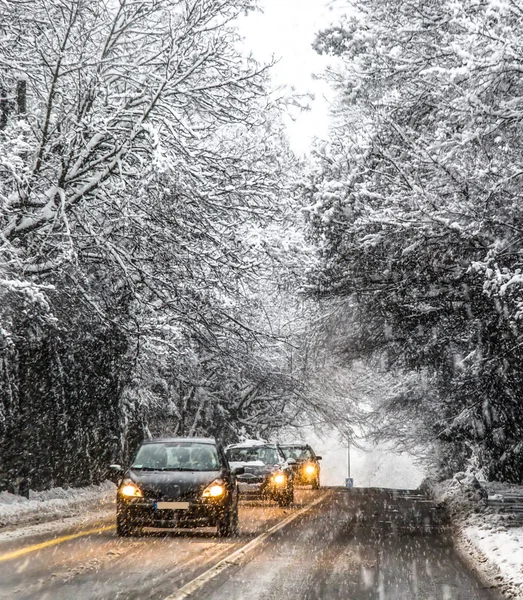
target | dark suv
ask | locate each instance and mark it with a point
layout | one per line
(266, 472)
(306, 464)
(177, 482)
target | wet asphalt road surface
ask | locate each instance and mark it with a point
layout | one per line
(353, 545)
(357, 545)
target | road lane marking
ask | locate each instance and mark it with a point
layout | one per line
(233, 559)
(53, 542)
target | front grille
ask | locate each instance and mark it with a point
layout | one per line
(250, 479)
(149, 495)
(172, 496)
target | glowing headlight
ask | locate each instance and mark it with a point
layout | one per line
(279, 479)
(130, 490)
(213, 491)
(310, 470)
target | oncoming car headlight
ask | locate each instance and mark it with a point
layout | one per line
(310, 470)
(130, 490)
(214, 490)
(279, 478)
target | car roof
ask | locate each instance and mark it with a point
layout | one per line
(195, 440)
(295, 445)
(252, 444)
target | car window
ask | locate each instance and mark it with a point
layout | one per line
(265, 454)
(297, 452)
(177, 456)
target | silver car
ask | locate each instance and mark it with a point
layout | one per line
(266, 472)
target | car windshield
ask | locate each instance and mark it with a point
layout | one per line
(177, 456)
(297, 452)
(266, 454)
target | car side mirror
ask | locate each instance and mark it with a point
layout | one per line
(318, 458)
(291, 461)
(238, 471)
(115, 472)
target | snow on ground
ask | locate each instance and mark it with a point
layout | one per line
(503, 548)
(53, 504)
(490, 542)
(93, 517)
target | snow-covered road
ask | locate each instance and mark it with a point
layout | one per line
(359, 544)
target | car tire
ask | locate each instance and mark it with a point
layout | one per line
(228, 526)
(124, 528)
(316, 484)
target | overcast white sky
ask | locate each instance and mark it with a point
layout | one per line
(286, 31)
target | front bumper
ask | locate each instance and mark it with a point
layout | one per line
(261, 491)
(142, 512)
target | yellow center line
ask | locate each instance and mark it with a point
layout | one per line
(54, 542)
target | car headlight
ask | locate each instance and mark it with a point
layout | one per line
(279, 478)
(131, 490)
(215, 490)
(310, 470)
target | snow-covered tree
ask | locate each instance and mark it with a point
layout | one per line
(116, 93)
(140, 159)
(415, 205)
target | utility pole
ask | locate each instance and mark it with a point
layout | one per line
(348, 457)
(349, 482)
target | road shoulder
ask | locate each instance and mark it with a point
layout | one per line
(56, 504)
(487, 534)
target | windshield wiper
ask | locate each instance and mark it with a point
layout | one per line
(177, 469)
(144, 468)
(170, 469)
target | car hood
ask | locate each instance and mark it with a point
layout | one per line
(256, 468)
(303, 461)
(172, 484)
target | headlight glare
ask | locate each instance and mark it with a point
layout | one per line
(279, 478)
(310, 469)
(215, 490)
(130, 490)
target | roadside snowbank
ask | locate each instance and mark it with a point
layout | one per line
(490, 543)
(52, 504)
(462, 495)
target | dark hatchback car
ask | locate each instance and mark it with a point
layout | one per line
(266, 473)
(306, 465)
(177, 483)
